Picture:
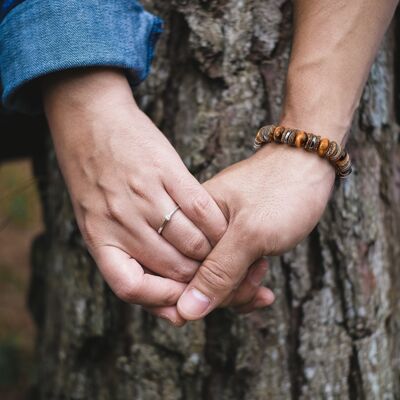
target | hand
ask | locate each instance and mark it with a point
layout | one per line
(123, 177)
(272, 201)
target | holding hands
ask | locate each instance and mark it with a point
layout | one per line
(124, 177)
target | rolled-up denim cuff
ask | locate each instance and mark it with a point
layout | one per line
(44, 36)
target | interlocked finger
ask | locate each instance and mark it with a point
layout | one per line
(179, 231)
(130, 283)
(263, 298)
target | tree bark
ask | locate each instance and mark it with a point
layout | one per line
(333, 332)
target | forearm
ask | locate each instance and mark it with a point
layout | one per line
(78, 104)
(85, 89)
(334, 45)
(83, 95)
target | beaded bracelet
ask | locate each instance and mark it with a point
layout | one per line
(325, 148)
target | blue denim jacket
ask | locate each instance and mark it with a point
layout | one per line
(38, 37)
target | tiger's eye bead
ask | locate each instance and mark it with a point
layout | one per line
(259, 136)
(301, 138)
(323, 147)
(278, 132)
(263, 134)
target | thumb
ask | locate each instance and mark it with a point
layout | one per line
(221, 272)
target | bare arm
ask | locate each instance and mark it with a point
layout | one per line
(335, 43)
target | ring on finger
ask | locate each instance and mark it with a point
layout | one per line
(167, 218)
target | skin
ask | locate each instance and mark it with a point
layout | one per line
(287, 190)
(123, 176)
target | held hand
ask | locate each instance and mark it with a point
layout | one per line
(123, 177)
(272, 201)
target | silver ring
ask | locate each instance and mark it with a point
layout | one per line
(167, 218)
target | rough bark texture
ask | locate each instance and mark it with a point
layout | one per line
(333, 332)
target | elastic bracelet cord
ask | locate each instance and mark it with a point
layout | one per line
(325, 148)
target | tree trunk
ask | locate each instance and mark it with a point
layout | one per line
(333, 332)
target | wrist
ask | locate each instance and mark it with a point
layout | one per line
(315, 122)
(316, 105)
(301, 164)
(86, 91)
(332, 130)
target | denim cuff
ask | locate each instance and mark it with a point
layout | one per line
(43, 36)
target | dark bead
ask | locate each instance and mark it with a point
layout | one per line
(278, 132)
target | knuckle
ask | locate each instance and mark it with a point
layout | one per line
(200, 205)
(183, 274)
(139, 186)
(220, 231)
(216, 276)
(196, 247)
(170, 298)
(115, 209)
(128, 292)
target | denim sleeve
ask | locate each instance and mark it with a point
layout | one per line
(38, 37)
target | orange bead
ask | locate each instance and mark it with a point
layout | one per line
(301, 139)
(323, 147)
(278, 133)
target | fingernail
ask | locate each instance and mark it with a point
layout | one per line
(193, 303)
(257, 275)
(174, 322)
(271, 297)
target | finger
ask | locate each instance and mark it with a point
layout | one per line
(249, 286)
(159, 256)
(220, 273)
(181, 233)
(131, 284)
(263, 298)
(197, 204)
(169, 313)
